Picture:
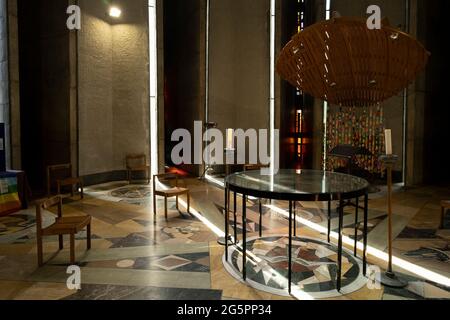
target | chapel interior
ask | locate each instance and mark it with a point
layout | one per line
(330, 180)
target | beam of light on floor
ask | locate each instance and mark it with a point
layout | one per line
(153, 73)
(415, 269)
(215, 181)
(221, 184)
(276, 276)
(405, 265)
(204, 220)
(195, 213)
(296, 293)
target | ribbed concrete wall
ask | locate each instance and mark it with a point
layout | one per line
(113, 85)
(239, 63)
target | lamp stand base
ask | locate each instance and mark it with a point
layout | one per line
(389, 279)
(222, 242)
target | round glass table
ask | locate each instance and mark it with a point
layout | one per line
(293, 186)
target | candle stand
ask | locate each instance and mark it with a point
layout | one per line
(389, 278)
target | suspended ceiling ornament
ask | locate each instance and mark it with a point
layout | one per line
(343, 62)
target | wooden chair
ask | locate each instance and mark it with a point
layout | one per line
(61, 182)
(445, 205)
(169, 193)
(62, 226)
(137, 163)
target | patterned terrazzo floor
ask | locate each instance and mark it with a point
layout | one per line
(136, 257)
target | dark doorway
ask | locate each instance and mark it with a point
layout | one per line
(44, 88)
(437, 110)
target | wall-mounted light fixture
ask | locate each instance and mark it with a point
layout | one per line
(115, 12)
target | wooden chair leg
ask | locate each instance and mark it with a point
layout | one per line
(82, 192)
(177, 203)
(154, 205)
(166, 214)
(40, 252)
(89, 240)
(188, 203)
(61, 242)
(72, 249)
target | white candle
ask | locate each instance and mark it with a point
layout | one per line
(388, 137)
(230, 139)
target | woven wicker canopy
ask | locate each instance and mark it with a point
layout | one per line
(343, 62)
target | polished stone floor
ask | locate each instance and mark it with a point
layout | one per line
(136, 257)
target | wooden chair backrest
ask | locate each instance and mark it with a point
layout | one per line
(67, 167)
(135, 160)
(46, 205)
(165, 177)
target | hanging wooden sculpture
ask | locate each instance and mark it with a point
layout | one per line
(343, 62)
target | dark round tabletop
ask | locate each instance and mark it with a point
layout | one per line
(298, 185)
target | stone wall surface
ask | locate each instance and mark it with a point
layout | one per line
(239, 64)
(113, 85)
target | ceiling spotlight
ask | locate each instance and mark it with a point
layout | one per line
(115, 12)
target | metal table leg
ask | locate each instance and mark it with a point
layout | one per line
(329, 221)
(260, 218)
(341, 222)
(356, 227)
(290, 249)
(226, 224)
(244, 237)
(295, 219)
(235, 218)
(366, 218)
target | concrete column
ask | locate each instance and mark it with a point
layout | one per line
(416, 104)
(319, 129)
(161, 97)
(4, 80)
(14, 85)
(73, 98)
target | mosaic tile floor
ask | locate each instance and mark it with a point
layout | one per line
(122, 192)
(137, 257)
(111, 292)
(314, 267)
(190, 262)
